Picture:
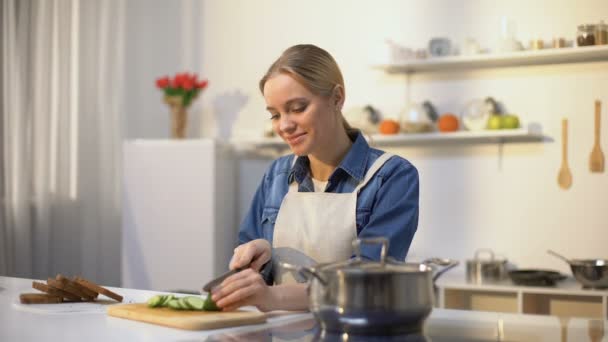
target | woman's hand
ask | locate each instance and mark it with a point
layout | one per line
(256, 252)
(244, 288)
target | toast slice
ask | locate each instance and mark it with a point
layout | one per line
(66, 287)
(39, 298)
(102, 290)
(85, 291)
(55, 292)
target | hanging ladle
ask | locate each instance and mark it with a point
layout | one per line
(559, 256)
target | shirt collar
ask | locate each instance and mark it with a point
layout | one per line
(354, 163)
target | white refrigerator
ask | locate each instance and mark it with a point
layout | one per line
(179, 213)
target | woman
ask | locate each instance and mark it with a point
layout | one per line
(315, 202)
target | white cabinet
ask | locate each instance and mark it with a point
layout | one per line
(179, 226)
(566, 299)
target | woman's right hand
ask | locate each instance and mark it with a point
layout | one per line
(255, 253)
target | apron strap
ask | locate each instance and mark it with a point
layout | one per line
(293, 187)
(373, 169)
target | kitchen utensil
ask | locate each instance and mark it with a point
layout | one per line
(417, 118)
(564, 177)
(563, 323)
(601, 33)
(559, 42)
(585, 35)
(537, 44)
(535, 277)
(184, 319)
(596, 160)
(484, 270)
(470, 47)
(372, 297)
(591, 273)
(476, 113)
(595, 330)
(215, 282)
(440, 47)
(366, 118)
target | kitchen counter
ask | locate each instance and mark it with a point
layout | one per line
(71, 323)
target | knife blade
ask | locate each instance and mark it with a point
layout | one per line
(215, 282)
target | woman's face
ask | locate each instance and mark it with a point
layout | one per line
(305, 121)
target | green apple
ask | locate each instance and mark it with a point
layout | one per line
(494, 122)
(509, 121)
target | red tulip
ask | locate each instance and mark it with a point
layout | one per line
(162, 82)
(187, 84)
(202, 84)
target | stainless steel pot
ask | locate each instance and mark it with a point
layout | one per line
(487, 269)
(369, 297)
(591, 273)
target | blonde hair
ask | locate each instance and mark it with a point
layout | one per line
(314, 68)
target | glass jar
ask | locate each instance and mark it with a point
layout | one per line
(601, 34)
(586, 35)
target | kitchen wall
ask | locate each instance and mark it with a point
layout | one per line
(503, 197)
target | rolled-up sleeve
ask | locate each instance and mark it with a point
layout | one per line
(394, 214)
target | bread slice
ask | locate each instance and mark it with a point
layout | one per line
(39, 298)
(94, 287)
(85, 291)
(67, 288)
(55, 291)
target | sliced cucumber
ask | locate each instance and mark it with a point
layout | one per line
(174, 304)
(183, 304)
(155, 301)
(209, 304)
(166, 300)
(194, 302)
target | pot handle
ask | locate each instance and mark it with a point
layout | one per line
(447, 265)
(482, 250)
(377, 240)
(307, 272)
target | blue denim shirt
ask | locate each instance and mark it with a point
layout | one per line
(387, 206)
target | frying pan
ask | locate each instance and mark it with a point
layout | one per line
(535, 277)
(591, 273)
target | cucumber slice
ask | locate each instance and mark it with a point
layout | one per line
(174, 304)
(182, 303)
(195, 303)
(155, 301)
(210, 305)
(166, 300)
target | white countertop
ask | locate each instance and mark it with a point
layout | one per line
(29, 323)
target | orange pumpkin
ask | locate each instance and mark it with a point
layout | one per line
(388, 126)
(448, 123)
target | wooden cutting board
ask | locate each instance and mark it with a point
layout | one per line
(189, 320)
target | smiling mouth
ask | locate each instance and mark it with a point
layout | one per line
(294, 140)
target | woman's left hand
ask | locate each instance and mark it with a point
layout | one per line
(244, 288)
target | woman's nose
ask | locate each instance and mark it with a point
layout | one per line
(286, 124)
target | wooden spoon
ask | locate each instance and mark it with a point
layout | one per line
(564, 178)
(596, 160)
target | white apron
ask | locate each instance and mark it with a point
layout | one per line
(321, 225)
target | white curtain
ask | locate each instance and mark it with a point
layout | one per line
(61, 78)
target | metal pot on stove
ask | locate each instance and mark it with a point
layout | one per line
(485, 267)
(364, 297)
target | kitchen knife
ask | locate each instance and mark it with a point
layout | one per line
(215, 282)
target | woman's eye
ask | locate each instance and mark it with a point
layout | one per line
(299, 109)
(274, 116)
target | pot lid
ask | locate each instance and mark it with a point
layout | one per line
(359, 265)
(486, 256)
(386, 264)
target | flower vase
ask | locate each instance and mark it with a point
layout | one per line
(179, 116)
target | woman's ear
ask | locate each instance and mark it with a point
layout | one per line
(338, 97)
